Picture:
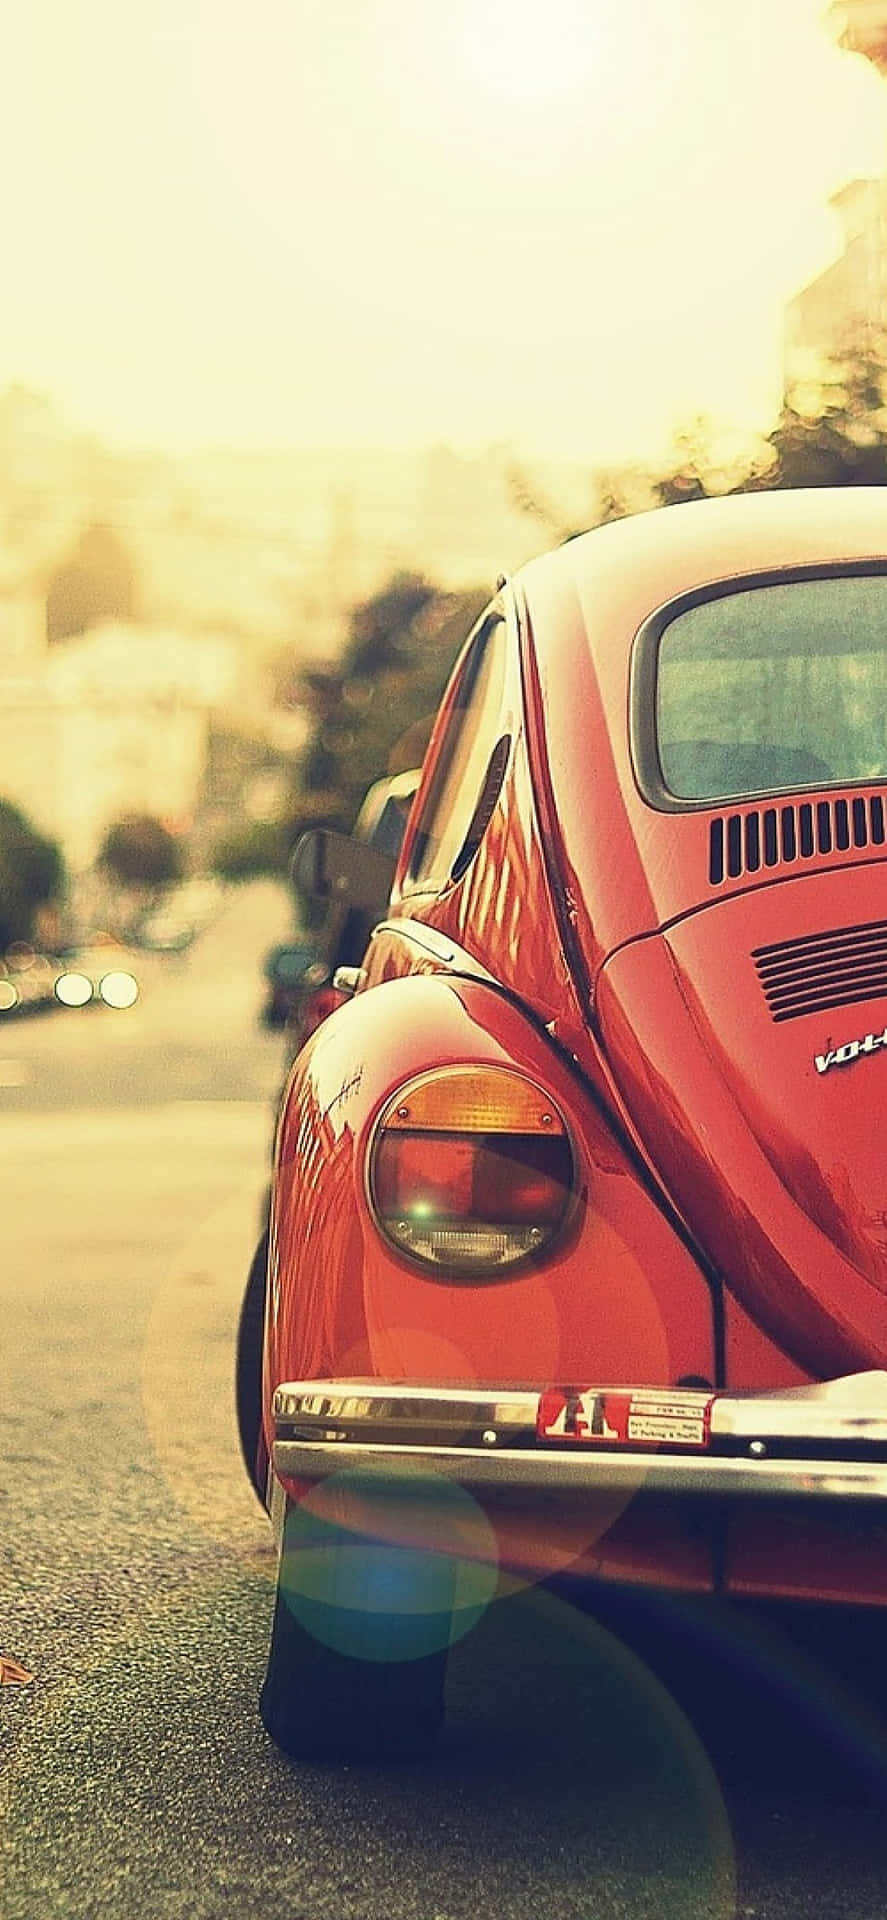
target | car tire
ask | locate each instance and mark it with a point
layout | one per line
(321, 1703)
(248, 1374)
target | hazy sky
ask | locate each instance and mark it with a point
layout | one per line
(569, 224)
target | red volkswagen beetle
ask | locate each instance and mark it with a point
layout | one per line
(578, 1245)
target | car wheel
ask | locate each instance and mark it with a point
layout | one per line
(336, 1686)
(248, 1376)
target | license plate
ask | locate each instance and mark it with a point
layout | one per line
(624, 1417)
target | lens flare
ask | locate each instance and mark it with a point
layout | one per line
(387, 1571)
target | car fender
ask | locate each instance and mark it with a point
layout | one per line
(618, 1296)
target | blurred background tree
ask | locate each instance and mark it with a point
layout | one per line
(96, 581)
(32, 874)
(253, 848)
(832, 426)
(139, 851)
(371, 712)
(831, 431)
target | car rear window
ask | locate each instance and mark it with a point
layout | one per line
(775, 687)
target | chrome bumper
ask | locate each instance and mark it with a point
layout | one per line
(826, 1442)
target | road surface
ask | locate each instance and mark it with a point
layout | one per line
(583, 1774)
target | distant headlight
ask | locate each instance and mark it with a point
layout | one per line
(119, 989)
(8, 996)
(73, 989)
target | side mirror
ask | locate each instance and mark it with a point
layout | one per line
(332, 867)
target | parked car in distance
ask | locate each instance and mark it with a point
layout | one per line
(354, 894)
(173, 922)
(293, 971)
(36, 981)
(576, 1252)
(27, 979)
(165, 931)
(380, 827)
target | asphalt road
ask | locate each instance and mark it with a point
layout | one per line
(666, 1769)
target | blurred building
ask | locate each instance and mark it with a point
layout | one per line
(114, 721)
(848, 302)
(861, 27)
(22, 619)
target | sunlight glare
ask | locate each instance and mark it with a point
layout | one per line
(531, 53)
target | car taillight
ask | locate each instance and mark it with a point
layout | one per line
(470, 1169)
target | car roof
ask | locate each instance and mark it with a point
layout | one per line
(585, 601)
(582, 606)
(646, 559)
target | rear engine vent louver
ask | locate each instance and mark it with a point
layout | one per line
(824, 970)
(780, 836)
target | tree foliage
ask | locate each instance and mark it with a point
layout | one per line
(830, 431)
(139, 851)
(376, 704)
(96, 581)
(371, 710)
(255, 848)
(32, 874)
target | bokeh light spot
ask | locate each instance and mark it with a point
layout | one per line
(73, 989)
(118, 989)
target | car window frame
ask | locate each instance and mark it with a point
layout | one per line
(482, 789)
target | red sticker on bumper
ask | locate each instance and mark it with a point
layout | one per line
(641, 1417)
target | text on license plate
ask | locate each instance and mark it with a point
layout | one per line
(639, 1416)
